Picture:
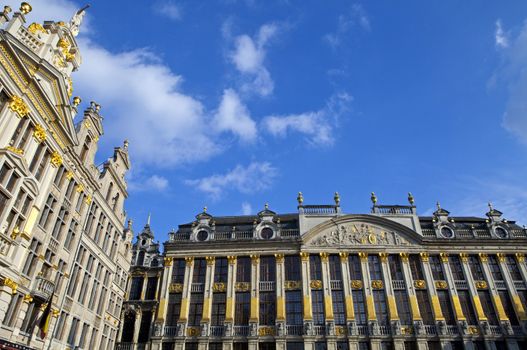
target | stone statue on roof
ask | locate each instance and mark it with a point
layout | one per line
(76, 20)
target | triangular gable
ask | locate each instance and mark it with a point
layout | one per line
(359, 230)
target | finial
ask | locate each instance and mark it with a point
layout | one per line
(204, 209)
(373, 198)
(300, 198)
(7, 9)
(411, 199)
(130, 222)
(76, 101)
(438, 205)
(336, 197)
(490, 206)
(266, 206)
(125, 144)
(97, 107)
(25, 8)
(148, 220)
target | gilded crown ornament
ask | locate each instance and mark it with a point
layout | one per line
(76, 101)
(25, 8)
(300, 198)
(7, 10)
(411, 199)
(17, 105)
(336, 198)
(373, 198)
(39, 133)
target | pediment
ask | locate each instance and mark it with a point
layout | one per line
(360, 230)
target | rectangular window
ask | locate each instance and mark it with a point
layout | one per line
(60, 177)
(466, 306)
(218, 309)
(513, 268)
(381, 309)
(315, 267)
(293, 268)
(84, 333)
(293, 307)
(73, 331)
(375, 267)
(221, 268)
(396, 270)
(359, 306)
(488, 308)
(476, 268)
(457, 269)
(136, 288)
(195, 309)
(415, 267)
(242, 308)
(178, 272)
(495, 268)
(200, 268)
(70, 237)
(437, 268)
(47, 212)
(267, 268)
(267, 308)
(32, 257)
(335, 268)
(22, 134)
(295, 346)
(151, 288)
(424, 307)
(174, 308)
(59, 328)
(507, 306)
(339, 312)
(12, 310)
(318, 307)
(342, 345)
(403, 306)
(446, 307)
(243, 269)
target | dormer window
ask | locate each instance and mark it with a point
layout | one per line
(501, 232)
(447, 232)
(202, 235)
(267, 233)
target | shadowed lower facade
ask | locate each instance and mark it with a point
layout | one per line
(321, 279)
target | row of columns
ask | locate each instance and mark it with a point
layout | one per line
(347, 291)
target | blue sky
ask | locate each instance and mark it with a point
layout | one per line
(232, 104)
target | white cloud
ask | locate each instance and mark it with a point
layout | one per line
(168, 9)
(255, 177)
(249, 56)
(500, 37)
(155, 183)
(233, 116)
(514, 74)
(357, 16)
(247, 209)
(317, 126)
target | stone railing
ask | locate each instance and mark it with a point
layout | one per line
(242, 331)
(217, 331)
(170, 331)
(335, 284)
(125, 346)
(461, 284)
(43, 288)
(318, 209)
(398, 284)
(293, 329)
(197, 287)
(267, 286)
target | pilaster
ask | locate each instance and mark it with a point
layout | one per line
(416, 315)
(207, 295)
(516, 301)
(430, 286)
(388, 288)
(472, 288)
(328, 303)
(231, 281)
(280, 288)
(185, 297)
(502, 316)
(164, 291)
(346, 287)
(306, 288)
(255, 289)
(370, 305)
(458, 311)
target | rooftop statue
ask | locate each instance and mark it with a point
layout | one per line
(76, 20)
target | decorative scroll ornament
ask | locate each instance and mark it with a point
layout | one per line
(343, 256)
(481, 285)
(189, 260)
(406, 330)
(70, 86)
(421, 284)
(210, 260)
(28, 298)
(88, 199)
(175, 288)
(424, 257)
(39, 133)
(356, 284)
(15, 233)
(441, 285)
(292, 285)
(304, 256)
(324, 257)
(242, 286)
(358, 234)
(377, 284)
(193, 331)
(263, 331)
(79, 188)
(15, 150)
(363, 256)
(34, 28)
(69, 175)
(255, 259)
(473, 330)
(501, 257)
(17, 105)
(520, 257)
(383, 257)
(464, 257)
(11, 284)
(279, 258)
(231, 259)
(56, 159)
(483, 257)
(316, 284)
(219, 287)
(404, 256)
(168, 261)
(443, 257)
(340, 330)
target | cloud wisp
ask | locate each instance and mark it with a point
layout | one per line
(500, 37)
(248, 57)
(356, 17)
(255, 177)
(168, 9)
(316, 126)
(233, 116)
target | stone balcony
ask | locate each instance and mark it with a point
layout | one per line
(42, 288)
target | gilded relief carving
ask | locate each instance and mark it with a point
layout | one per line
(358, 234)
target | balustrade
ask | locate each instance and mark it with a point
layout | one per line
(217, 331)
(452, 330)
(267, 286)
(242, 331)
(293, 329)
(398, 284)
(197, 287)
(319, 329)
(335, 284)
(170, 331)
(461, 284)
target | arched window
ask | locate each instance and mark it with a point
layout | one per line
(141, 258)
(109, 193)
(85, 148)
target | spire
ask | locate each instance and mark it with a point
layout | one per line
(76, 20)
(148, 220)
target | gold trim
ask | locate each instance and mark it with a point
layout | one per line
(421, 284)
(304, 256)
(231, 259)
(363, 256)
(17, 105)
(219, 287)
(242, 286)
(520, 257)
(464, 257)
(292, 285)
(189, 260)
(175, 288)
(39, 133)
(404, 256)
(483, 257)
(210, 260)
(168, 261)
(36, 27)
(424, 256)
(384, 257)
(316, 284)
(8, 282)
(441, 285)
(255, 259)
(263, 331)
(279, 258)
(15, 150)
(501, 257)
(324, 256)
(56, 159)
(481, 284)
(443, 257)
(377, 284)
(356, 284)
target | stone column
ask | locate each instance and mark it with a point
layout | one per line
(328, 303)
(145, 283)
(489, 283)
(255, 305)
(164, 289)
(207, 297)
(516, 301)
(458, 311)
(280, 294)
(229, 305)
(185, 297)
(432, 292)
(370, 305)
(472, 289)
(346, 287)
(390, 298)
(416, 315)
(137, 326)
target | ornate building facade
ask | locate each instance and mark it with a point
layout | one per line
(61, 217)
(321, 279)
